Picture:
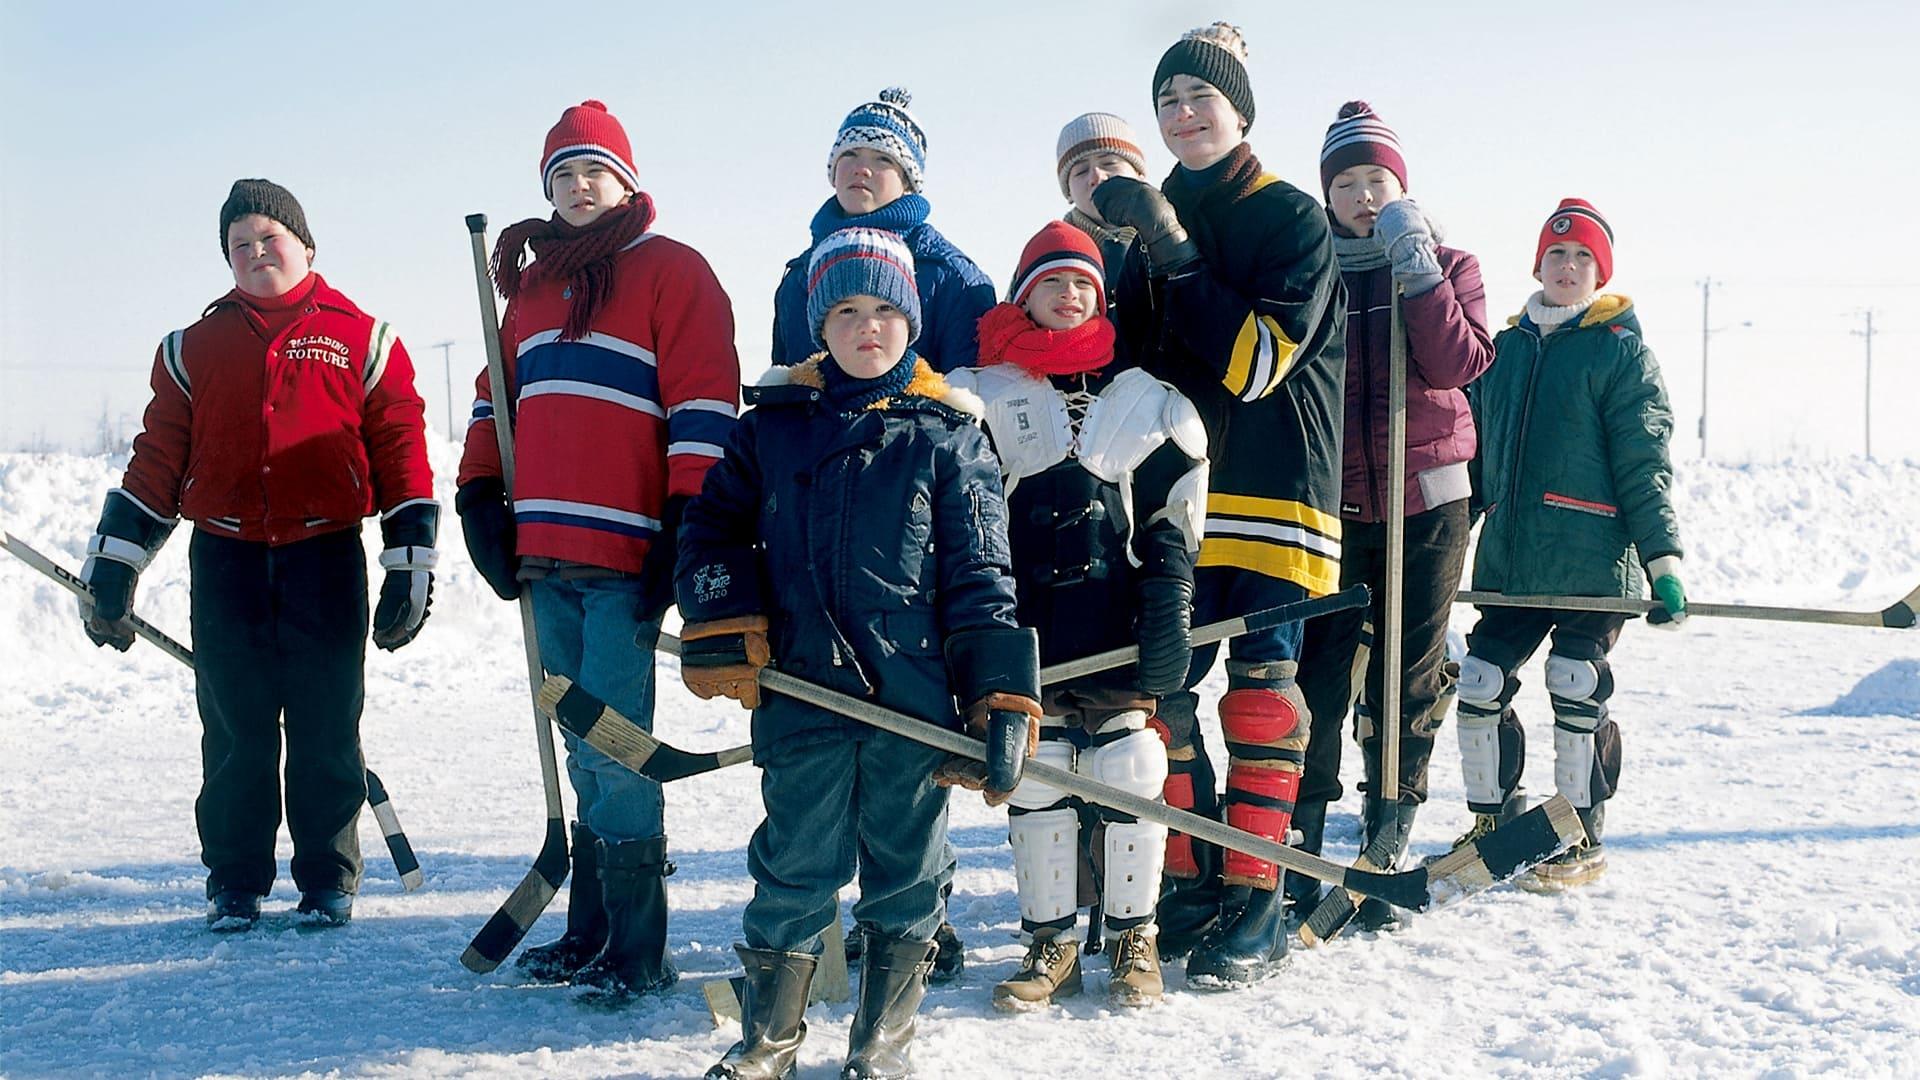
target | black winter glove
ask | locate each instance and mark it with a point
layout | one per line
(112, 584)
(1165, 629)
(409, 532)
(1124, 201)
(121, 546)
(656, 573)
(486, 520)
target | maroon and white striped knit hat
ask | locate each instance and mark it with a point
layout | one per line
(1095, 133)
(588, 130)
(1059, 246)
(1359, 137)
(1578, 221)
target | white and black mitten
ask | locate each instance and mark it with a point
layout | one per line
(125, 541)
(1407, 236)
(408, 532)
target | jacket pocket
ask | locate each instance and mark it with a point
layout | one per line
(1583, 506)
(915, 633)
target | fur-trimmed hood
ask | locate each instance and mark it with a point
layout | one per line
(926, 383)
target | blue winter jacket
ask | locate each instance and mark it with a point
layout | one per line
(865, 540)
(954, 293)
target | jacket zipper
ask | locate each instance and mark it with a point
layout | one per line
(1520, 443)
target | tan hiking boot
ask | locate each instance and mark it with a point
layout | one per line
(1578, 865)
(1051, 970)
(1135, 981)
(1482, 825)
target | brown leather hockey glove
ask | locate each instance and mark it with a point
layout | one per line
(723, 658)
(1010, 724)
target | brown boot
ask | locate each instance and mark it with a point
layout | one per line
(1135, 980)
(1051, 970)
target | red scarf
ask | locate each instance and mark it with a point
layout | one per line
(582, 257)
(1009, 336)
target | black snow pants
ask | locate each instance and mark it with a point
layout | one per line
(280, 632)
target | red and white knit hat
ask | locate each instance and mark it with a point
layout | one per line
(1092, 134)
(1358, 137)
(1059, 246)
(1577, 220)
(588, 130)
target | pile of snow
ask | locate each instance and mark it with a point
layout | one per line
(1757, 919)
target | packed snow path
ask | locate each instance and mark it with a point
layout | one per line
(1759, 915)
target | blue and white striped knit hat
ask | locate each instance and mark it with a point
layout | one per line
(885, 125)
(861, 262)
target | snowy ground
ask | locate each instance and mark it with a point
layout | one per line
(1760, 916)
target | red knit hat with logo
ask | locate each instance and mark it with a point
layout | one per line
(1059, 246)
(1578, 221)
(588, 130)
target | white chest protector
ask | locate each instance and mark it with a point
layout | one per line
(1034, 428)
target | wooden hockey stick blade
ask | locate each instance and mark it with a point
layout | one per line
(626, 742)
(1527, 840)
(1405, 888)
(724, 996)
(509, 925)
(397, 844)
(1898, 615)
(830, 978)
(1351, 597)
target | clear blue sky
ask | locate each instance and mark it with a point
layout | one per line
(1771, 145)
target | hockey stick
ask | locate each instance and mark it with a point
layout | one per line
(497, 939)
(1388, 634)
(1898, 615)
(1351, 597)
(1537, 834)
(397, 845)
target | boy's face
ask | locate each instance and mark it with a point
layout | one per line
(583, 189)
(1357, 194)
(1088, 172)
(866, 335)
(1063, 300)
(1196, 121)
(864, 180)
(267, 259)
(1567, 273)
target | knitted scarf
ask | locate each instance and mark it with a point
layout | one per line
(850, 395)
(581, 257)
(1232, 178)
(1099, 230)
(1008, 336)
(1548, 317)
(1358, 253)
(900, 215)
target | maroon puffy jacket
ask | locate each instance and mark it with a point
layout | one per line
(1447, 347)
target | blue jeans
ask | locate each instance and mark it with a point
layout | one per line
(587, 629)
(833, 807)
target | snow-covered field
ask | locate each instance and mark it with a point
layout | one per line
(1760, 917)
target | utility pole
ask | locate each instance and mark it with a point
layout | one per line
(1868, 334)
(446, 364)
(1706, 335)
(1707, 330)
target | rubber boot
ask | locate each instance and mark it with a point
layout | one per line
(893, 979)
(560, 960)
(1248, 945)
(1386, 829)
(634, 889)
(772, 1016)
(1303, 892)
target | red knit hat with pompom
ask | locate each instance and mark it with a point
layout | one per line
(1358, 137)
(1059, 246)
(588, 130)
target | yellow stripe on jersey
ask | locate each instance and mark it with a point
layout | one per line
(1317, 574)
(1254, 506)
(1262, 353)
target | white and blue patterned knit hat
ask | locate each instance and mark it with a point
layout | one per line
(862, 262)
(885, 125)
